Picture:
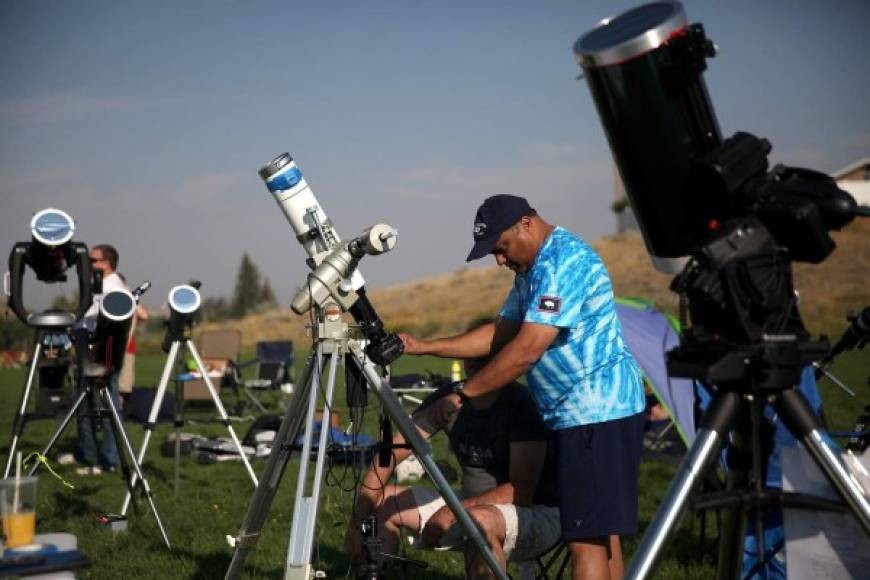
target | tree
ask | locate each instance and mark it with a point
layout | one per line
(247, 292)
(64, 302)
(214, 309)
(267, 296)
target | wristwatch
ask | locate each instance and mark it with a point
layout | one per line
(459, 389)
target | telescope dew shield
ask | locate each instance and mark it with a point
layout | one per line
(113, 327)
(51, 229)
(310, 223)
(184, 302)
(643, 69)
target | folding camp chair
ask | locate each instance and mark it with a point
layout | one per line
(273, 370)
(219, 350)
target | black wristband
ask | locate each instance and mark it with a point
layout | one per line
(459, 389)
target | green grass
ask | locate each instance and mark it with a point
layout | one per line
(213, 499)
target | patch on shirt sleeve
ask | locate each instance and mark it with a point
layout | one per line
(550, 304)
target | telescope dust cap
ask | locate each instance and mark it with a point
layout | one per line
(631, 34)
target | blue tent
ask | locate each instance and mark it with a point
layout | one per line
(650, 334)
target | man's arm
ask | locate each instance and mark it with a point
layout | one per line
(472, 344)
(513, 360)
(428, 422)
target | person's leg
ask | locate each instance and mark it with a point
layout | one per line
(127, 378)
(491, 522)
(86, 450)
(397, 510)
(598, 477)
(108, 455)
(590, 558)
(617, 569)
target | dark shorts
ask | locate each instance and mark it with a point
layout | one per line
(597, 467)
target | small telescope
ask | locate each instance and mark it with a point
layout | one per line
(184, 303)
(334, 264)
(109, 339)
(49, 253)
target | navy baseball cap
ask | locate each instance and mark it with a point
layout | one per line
(495, 215)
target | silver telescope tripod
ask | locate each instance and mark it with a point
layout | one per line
(728, 408)
(158, 400)
(332, 340)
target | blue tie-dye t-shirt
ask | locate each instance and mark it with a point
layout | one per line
(587, 374)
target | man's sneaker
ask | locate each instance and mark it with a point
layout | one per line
(89, 470)
(66, 459)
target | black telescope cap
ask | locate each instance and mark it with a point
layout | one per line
(495, 215)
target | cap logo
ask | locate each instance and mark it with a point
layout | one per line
(479, 230)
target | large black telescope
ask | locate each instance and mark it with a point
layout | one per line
(644, 69)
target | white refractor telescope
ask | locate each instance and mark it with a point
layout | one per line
(334, 264)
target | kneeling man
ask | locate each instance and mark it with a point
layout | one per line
(508, 481)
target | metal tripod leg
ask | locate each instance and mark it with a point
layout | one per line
(63, 424)
(713, 431)
(122, 433)
(423, 451)
(152, 418)
(298, 564)
(282, 449)
(804, 425)
(220, 408)
(18, 426)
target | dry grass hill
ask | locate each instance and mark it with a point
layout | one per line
(447, 303)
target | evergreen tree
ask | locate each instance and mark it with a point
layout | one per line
(247, 292)
(63, 302)
(267, 295)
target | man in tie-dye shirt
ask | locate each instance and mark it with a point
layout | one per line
(559, 327)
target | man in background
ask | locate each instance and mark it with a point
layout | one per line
(94, 459)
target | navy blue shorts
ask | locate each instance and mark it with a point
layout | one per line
(597, 471)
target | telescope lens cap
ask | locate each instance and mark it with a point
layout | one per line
(184, 299)
(52, 227)
(118, 305)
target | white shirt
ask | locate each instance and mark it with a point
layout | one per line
(110, 283)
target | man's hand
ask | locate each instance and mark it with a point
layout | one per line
(443, 410)
(413, 345)
(439, 523)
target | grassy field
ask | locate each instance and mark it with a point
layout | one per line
(213, 498)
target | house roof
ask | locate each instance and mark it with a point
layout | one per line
(851, 167)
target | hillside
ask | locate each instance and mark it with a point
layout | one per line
(447, 303)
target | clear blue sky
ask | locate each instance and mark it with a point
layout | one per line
(148, 120)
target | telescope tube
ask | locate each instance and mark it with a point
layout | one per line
(643, 69)
(113, 327)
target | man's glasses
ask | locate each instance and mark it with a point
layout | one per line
(95, 260)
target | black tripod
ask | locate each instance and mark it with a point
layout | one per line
(373, 569)
(751, 367)
(46, 324)
(93, 385)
